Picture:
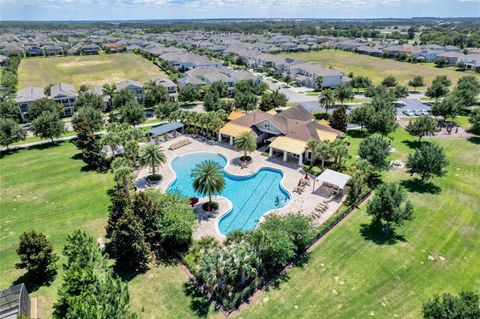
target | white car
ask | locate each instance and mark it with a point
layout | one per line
(408, 113)
(418, 112)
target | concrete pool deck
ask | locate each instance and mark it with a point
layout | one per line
(306, 202)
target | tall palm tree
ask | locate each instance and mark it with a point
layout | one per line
(324, 150)
(313, 146)
(339, 150)
(153, 156)
(245, 142)
(208, 179)
(123, 173)
(327, 99)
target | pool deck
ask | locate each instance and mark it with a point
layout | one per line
(306, 202)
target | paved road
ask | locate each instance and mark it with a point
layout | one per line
(291, 93)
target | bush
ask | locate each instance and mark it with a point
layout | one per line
(213, 206)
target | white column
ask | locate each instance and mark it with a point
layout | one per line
(285, 156)
(219, 136)
(270, 153)
(300, 160)
(231, 140)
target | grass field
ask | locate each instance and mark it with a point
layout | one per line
(90, 70)
(352, 274)
(375, 68)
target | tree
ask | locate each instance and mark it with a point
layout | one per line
(465, 305)
(128, 243)
(43, 105)
(87, 99)
(339, 119)
(208, 179)
(121, 202)
(439, 87)
(428, 161)
(88, 117)
(245, 142)
(313, 146)
(122, 97)
(447, 108)
(343, 93)
(382, 122)
(132, 113)
(10, 132)
(360, 115)
(422, 126)
(89, 288)
(9, 110)
(467, 91)
(339, 150)
(123, 173)
(400, 91)
(360, 82)
(110, 90)
(155, 94)
(375, 151)
(230, 273)
(164, 110)
(327, 100)
(318, 83)
(324, 151)
(389, 205)
(475, 119)
(37, 257)
(189, 93)
(272, 101)
(220, 88)
(389, 81)
(175, 227)
(153, 156)
(48, 125)
(361, 173)
(417, 82)
(245, 101)
(212, 101)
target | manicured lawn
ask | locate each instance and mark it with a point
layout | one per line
(353, 274)
(91, 70)
(375, 68)
(46, 189)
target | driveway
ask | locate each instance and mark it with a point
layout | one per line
(293, 94)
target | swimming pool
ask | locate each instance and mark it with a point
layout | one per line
(251, 196)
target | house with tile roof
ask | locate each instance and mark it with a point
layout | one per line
(286, 133)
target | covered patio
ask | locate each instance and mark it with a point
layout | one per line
(333, 180)
(164, 130)
(231, 131)
(289, 147)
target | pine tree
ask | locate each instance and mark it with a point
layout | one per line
(128, 243)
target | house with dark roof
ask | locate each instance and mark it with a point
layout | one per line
(170, 87)
(98, 90)
(286, 133)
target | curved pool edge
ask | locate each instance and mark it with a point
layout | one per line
(225, 168)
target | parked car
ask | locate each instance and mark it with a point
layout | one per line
(418, 112)
(149, 113)
(400, 104)
(27, 127)
(408, 113)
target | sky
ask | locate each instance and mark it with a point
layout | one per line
(193, 9)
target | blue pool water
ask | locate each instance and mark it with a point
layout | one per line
(251, 196)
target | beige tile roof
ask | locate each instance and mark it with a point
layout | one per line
(232, 129)
(291, 145)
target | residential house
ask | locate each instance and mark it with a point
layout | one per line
(286, 133)
(52, 50)
(134, 86)
(25, 97)
(170, 86)
(90, 49)
(426, 55)
(64, 94)
(114, 47)
(306, 74)
(33, 50)
(452, 57)
(370, 50)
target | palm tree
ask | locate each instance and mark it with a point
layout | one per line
(313, 146)
(208, 179)
(339, 150)
(123, 173)
(245, 142)
(110, 90)
(152, 156)
(327, 99)
(324, 150)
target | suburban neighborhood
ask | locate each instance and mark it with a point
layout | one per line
(244, 168)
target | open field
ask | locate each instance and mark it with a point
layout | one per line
(90, 70)
(352, 274)
(375, 68)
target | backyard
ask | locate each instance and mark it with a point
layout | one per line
(353, 269)
(91, 70)
(375, 68)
